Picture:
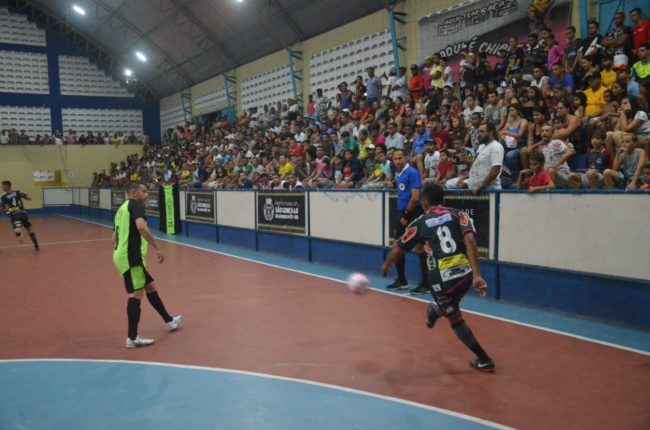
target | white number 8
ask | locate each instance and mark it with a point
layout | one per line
(447, 243)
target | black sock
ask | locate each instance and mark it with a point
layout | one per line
(467, 337)
(133, 314)
(32, 236)
(157, 304)
(424, 268)
(399, 265)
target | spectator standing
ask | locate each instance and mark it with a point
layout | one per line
(447, 73)
(322, 103)
(397, 85)
(408, 206)
(311, 106)
(486, 169)
(555, 53)
(416, 83)
(641, 30)
(373, 87)
(618, 40)
(435, 75)
(641, 69)
(571, 49)
(592, 45)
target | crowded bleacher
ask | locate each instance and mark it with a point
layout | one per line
(571, 116)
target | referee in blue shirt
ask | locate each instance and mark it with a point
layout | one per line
(408, 204)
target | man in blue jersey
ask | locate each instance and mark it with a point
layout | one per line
(407, 182)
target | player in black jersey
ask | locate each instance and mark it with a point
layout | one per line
(447, 236)
(12, 203)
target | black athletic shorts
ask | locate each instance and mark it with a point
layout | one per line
(19, 220)
(451, 292)
(399, 228)
(136, 278)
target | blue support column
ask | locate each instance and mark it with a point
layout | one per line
(186, 100)
(230, 97)
(397, 42)
(295, 74)
(584, 17)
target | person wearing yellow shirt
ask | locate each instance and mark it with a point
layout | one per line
(286, 168)
(608, 75)
(134, 177)
(595, 95)
(435, 73)
(364, 141)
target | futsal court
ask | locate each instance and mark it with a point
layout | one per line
(272, 343)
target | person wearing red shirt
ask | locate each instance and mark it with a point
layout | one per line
(416, 83)
(295, 149)
(441, 137)
(641, 30)
(535, 178)
(445, 168)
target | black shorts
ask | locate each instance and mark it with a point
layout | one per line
(452, 292)
(136, 278)
(399, 228)
(20, 220)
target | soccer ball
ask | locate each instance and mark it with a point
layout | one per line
(357, 283)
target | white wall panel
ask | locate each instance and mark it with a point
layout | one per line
(79, 77)
(351, 217)
(268, 87)
(34, 120)
(17, 29)
(328, 68)
(104, 120)
(83, 197)
(105, 199)
(57, 196)
(606, 234)
(210, 100)
(23, 72)
(236, 209)
(172, 117)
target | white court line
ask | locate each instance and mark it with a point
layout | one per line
(276, 377)
(523, 324)
(53, 243)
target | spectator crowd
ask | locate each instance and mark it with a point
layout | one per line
(541, 116)
(15, 137)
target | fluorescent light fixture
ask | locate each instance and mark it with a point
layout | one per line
(240, 1)
(141, 56)
(128, 72)
(78, 9)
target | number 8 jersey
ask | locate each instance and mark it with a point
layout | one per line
(441, 231)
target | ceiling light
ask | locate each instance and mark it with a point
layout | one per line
(128, 72)
(141, 56)
(240, 1)
(78, 9)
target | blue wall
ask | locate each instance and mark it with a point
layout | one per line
(58, 45)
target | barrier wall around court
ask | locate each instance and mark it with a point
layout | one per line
(583, 254)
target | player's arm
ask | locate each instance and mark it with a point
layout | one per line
(143, 228)
(25, 196)
(478, 282)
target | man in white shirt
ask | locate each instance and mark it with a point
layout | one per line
(394, 139)
(447, 73)
(397, 84)
(486, 169)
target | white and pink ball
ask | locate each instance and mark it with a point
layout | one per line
(358, 283)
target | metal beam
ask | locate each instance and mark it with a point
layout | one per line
(290, 21)
(210, 35)
(161, 52)
(103, 57)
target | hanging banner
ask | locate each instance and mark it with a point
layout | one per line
(153, 203)
(118, 197)
(200, 206)
(487, 25)
(168, 208)
(477, 207)
(93, 197)
(283, 212)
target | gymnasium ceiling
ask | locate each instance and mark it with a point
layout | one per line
(189, 41)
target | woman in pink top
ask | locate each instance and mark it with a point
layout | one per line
(555, 53)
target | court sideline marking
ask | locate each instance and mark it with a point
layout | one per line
(523, 324)
(20, 245)
(271, 376)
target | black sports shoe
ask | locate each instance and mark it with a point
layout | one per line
(483, 366)
(399, 284)
(433, 313)
(422, 288)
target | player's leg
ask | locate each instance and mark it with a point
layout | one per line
(134, 282)
(400, 282)
(28, 226)
(464, 334)
(157, 304)
(17, 226)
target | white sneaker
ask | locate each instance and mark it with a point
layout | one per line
(174, 323)
(138, 341)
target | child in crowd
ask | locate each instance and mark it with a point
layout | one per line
(627, 167)
(598, 159)
(535, 178)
